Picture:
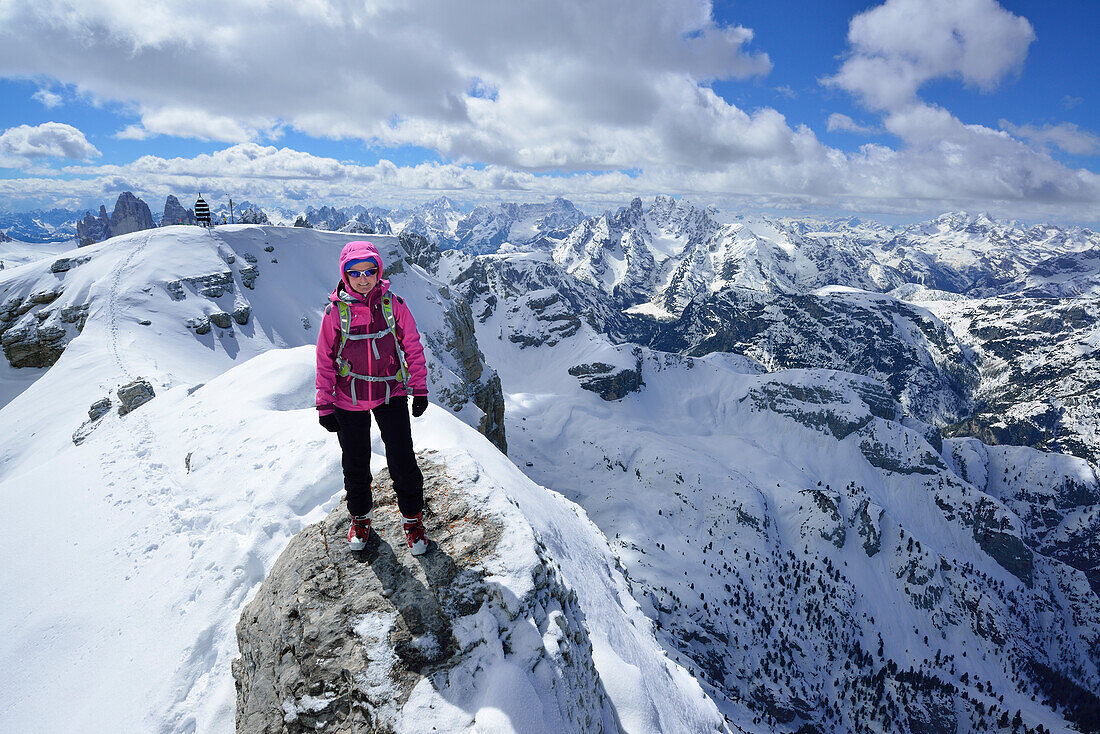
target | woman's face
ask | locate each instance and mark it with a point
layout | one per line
(360, 282)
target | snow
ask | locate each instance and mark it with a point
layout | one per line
(14, 253)
(134, 552)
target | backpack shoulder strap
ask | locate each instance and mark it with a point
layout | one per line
(342, 366)
(387, 312)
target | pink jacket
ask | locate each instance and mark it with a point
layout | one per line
(366, 318)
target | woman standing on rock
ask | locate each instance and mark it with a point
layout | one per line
(369, 360)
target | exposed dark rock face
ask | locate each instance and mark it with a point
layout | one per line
(820, 510)
(868, 525)
(33, 346)
(175, 213)
(824, 407)
(421, 251)
(65, 264)
(1005, 548)
(99, 409)
(242, 313)
(607, 381)
(1055, 497)
(90, 230)
(214, 285)
(540, 290)
(130, 214)
(134, 394)
(337, 640)
(478, 385)
(34, 336)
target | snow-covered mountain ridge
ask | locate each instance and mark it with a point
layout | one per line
(184, 502)
(816, 556)
(795, 294)
(776, 522)
(780, 524)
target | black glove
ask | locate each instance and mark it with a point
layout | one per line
(328, 420)
(420, 404)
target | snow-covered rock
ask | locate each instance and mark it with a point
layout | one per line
(436, 639)
(779, 525)
(40, 226)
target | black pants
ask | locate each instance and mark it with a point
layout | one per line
(354, 435)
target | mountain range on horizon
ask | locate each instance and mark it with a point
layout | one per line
(439, 219)
(805, 476)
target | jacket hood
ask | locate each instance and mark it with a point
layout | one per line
(354, 252)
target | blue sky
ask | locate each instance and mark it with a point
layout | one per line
(897, 109)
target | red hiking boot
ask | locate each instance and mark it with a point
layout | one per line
(360, 529)
(415, 534)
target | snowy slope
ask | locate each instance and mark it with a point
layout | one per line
(131, 555)
(14, 253)
(798, 537)
(172, 515)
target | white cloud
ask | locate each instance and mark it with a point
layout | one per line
(569, 85)
(1066, 136)
(48, 140)
(197, 123)
(901, 44)
(897, 47)
(1069, 102)
(919, 180)
(510, 90)
(843, 123)
(48, 99)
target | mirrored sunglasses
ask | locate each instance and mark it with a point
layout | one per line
(361, 273)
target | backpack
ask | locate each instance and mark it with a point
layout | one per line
(343, 367)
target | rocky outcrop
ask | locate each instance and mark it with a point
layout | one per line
(338, 641)
(90, 229)
(477, 384)
(904, 347)
(825, 405)
(4, 237)
(1039, 387)
(421, 251)
(33, 345)
(65, 264)
(253, 216)
(367, 223)
(33, 336)
(868, 525)
(133, 395)
(130, 214)
(555, 320)
(97, 410)
(175, 213)
(607, 381)
(820, 513)
(212, 285)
